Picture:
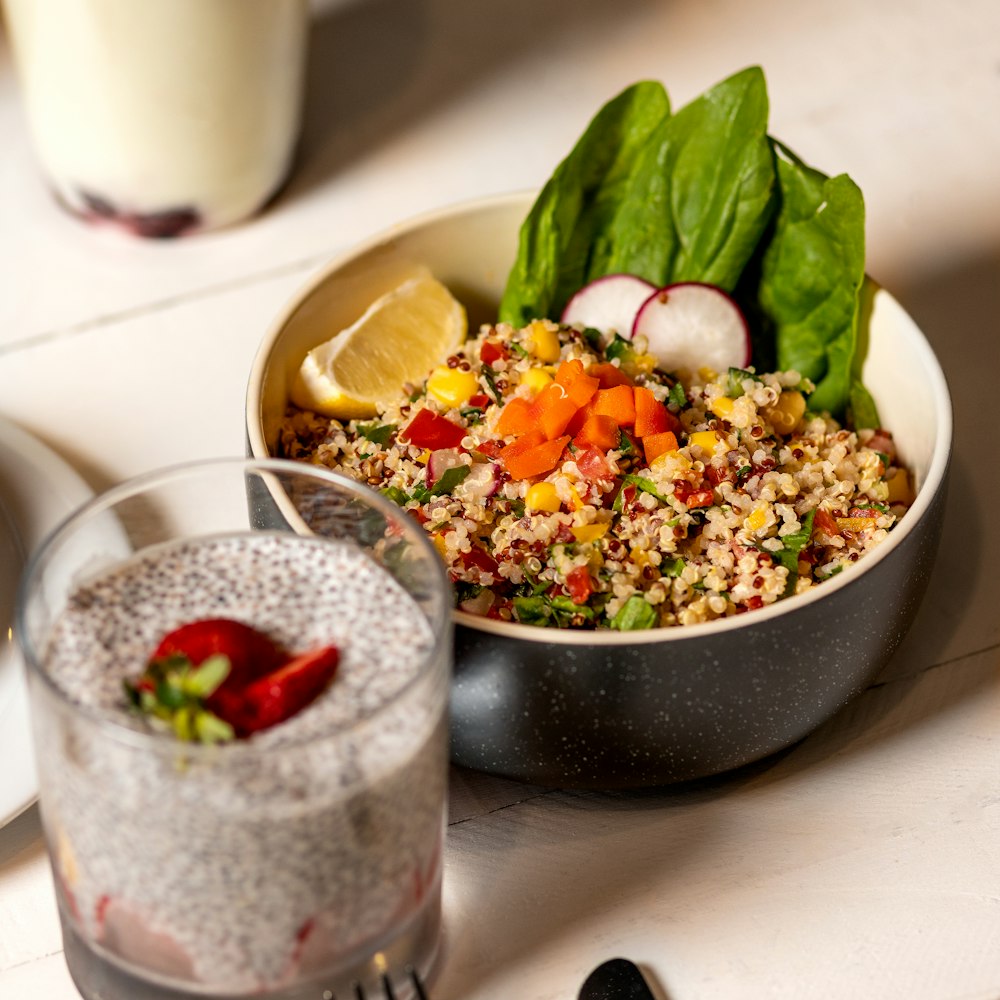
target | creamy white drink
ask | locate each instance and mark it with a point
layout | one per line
(164, 117)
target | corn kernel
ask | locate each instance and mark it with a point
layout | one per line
(440, 544)
(589, 532)
(544, 341)
(678, 461)
(704, 439)
(707, 375)
(575, 499)
(536, 379)
(899, 490)
(756, 520)
(786, 411)
(424, 457)
(452, 386)
(722, 406)
(542, 496)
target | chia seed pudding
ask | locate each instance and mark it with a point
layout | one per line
(252, 866)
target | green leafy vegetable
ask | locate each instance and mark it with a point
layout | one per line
(812, 269)
(636, 613)
(700, 193)
(707, 195)
(792, 545)
(377, 433)
(572, 211)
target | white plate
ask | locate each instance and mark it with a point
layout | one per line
(38, 489)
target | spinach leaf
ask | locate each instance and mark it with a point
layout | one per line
(701, 191)
(812, 268)
(564, 224)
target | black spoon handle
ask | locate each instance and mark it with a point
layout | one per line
(616, 979)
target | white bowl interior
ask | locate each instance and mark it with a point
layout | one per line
(470, 248)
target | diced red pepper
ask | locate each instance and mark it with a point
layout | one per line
(553, 410)
(430, 430)
(480, 401)
(609, 375)
(491, 352)
(617, 403)
(650, 414)
(600, 431)
(579, 386)
(516, 417)
(655, 445)
(534, 460)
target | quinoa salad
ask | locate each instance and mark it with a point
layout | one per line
(567, 481)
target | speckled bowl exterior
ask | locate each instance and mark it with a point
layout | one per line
(627, 710)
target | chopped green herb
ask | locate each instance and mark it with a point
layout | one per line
(618, 348)
(673, 568)
(734, 382)
(677, 396)
(449, 480)
(636, 613)
(645, 486)
(377, 433)
(395, 494)
(491, 383)
(593, 338)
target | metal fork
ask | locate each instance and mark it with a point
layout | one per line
(388, 993)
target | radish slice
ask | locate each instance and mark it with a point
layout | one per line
(440, 462)
(608, 304)
(692, 325)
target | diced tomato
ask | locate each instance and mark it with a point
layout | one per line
(489, 448)
(480, 559)
(480, 401)
(579, 585)
(716, 474)
(825, 522)
(693, 496)
(491, 352)
(593, 464)
(430, 430)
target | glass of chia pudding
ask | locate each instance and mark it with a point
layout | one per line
(239, 675)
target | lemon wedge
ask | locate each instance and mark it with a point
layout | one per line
(400, 338)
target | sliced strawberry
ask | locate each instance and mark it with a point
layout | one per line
(285, 691)
(251, 654)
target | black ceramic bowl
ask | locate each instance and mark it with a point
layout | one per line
(612, 709)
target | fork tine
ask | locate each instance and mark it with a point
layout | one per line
(387, 986)
(417, 984)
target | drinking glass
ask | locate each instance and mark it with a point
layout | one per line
(162, 117)
(288, 865)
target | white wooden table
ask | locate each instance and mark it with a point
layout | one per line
(863, 863)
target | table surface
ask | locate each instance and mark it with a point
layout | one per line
(865, 862)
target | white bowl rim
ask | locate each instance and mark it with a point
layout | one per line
(933, 480)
